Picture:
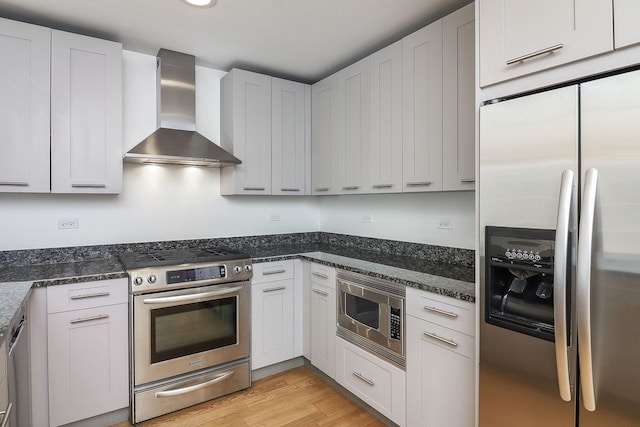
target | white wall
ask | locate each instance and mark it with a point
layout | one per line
(177, 202)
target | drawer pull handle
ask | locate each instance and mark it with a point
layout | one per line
(437, 310)
(322, 189)
(523, 58)
(80, 185)
(418, 183)
(382, 185)
(351, 187)
(452, 343)
(279, 288)
(15, 184)
(468, 180)
(319, 292)
(320, 275)
(289, 189)
(363, 378)
(270, 272)
(7, 415)
(190, 389)
(253, 188)
(89, 319)
(95, 295)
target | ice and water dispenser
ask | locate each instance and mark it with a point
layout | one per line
(519, 280)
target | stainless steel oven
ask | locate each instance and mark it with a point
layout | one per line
(371, 315)
(190, 328)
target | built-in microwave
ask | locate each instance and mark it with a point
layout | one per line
(371, 315)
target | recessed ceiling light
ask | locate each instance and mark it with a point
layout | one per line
(201, 3)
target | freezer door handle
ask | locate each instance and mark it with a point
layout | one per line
(583, 294)
(560, 284)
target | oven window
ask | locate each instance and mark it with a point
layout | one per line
(364, 311)
(191, 328)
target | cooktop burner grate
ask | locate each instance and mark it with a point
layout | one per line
(179, 256)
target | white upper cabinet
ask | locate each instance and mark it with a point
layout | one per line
(422, 109)
(324, 137)
(24, 107)
(245, 119)
(519, 37)
(627, 30)
(86, 114)
(353, 127)
(290, 140)
(385, 162)
(458, 103)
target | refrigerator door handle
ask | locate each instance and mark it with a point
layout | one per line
(583, 294)
(560, 284)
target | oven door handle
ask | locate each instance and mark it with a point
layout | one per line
(191, 297)
(184, 390)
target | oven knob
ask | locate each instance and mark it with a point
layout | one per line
(137, 281)
(247, 268)
(237, 269)
(152, 279)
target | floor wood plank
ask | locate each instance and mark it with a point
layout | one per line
(298, 397)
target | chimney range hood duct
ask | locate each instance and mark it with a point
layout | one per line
(176, 140)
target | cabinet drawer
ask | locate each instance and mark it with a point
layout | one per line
(324, 275)
(272, 271)
(78, 296)
(445, 311)
(440, 336)
(373, 380)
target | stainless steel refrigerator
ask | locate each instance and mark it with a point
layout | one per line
(559, 195)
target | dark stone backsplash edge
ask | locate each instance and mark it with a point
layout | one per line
(433, 253)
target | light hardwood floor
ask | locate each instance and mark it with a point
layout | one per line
(297, 397)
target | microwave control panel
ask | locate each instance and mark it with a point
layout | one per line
(395, 323)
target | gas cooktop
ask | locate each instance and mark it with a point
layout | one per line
(132, 260)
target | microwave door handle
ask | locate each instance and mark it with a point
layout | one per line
(583, 294)
(191, 297)
(560, 284)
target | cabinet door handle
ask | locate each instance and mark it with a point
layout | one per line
(319, 292)
(254, 188)
(184, 390)
(289, 189)
(437, 310)
(382, 185)
(322, 189)
(15, 183)
(363, 378)
(419, 183)
(269, 272)
(452, 343)
(523, 58)
(320, 275)
(80, 185)
(351, 187)
(89, 319)
(94, 295)
(468, 180)
(7, 415)
(279, 288)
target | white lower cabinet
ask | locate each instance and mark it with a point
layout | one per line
(272, 314)
(440, 361)
(88, 349)
(322, 307)
(377, 382)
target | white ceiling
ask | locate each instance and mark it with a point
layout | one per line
(302, 40)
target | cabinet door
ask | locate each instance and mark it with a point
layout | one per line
(385, 166)
(246, 132)
(458, 101)
(86, 114)
(324, 136)
(627, 30)
(323, 328)
(353, 127)
(519, 37)
(422, 109)
(290, 143)
(272, 337)
(440, 376)
(24, 107)
(88, 362)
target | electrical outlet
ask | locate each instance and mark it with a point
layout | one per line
(367, 218)
(445, 223)
(274, 216)
(66, 223)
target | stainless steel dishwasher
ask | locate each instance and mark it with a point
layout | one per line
(18, 372)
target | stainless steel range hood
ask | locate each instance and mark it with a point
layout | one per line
(176, 140)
